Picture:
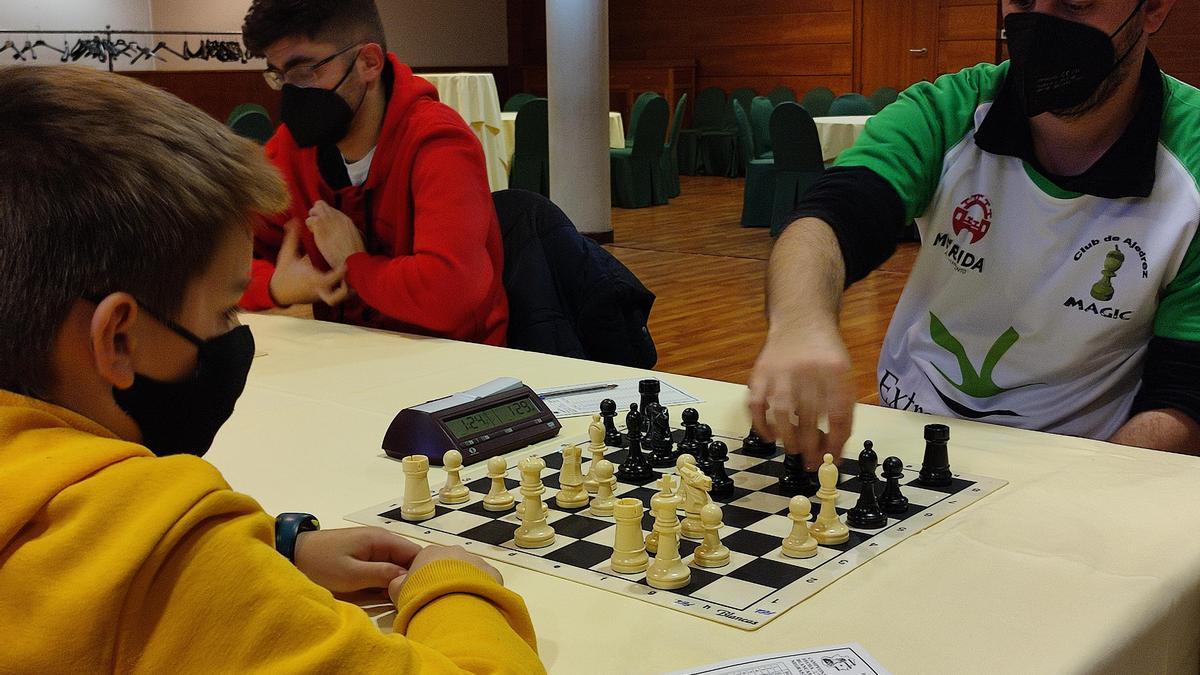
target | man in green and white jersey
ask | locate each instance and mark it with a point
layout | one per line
(1058, 282)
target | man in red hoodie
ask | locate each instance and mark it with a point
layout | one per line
(391, 223)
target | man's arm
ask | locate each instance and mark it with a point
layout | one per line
(1166, 412)
(1168, 429)
(444, 285)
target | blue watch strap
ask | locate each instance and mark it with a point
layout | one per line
(288, 527)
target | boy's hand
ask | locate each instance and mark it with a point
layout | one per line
(336, 235)
(432, 553)
(296, 281)
(355, 558)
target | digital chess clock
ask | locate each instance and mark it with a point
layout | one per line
(489, 420)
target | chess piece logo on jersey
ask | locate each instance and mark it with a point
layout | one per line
(974, 215)
(1103, 290)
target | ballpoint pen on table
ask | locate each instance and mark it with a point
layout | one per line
(577, 390)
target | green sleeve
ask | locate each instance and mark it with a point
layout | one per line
(906, 142)
(1178, 314)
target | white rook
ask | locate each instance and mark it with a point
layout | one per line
(577, 84)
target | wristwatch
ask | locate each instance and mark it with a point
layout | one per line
(288, 527)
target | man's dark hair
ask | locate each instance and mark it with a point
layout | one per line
(338, 22)
(108, 185)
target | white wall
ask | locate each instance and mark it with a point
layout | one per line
(424, 33)
(430, 33)
(70, 15)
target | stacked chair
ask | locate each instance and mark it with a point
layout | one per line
(798, 161)
(670, 160)
(635, 114)
(709, 146)
(250, 120)
(758, 195)
(817, 101)
(637, 177)
(851, 104)
(531, 156)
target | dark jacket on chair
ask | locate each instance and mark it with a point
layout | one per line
(566, 294)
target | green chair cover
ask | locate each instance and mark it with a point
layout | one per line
(782, 94)
(745, 96)
(636, 113)
(251, 120)
(516, 101)
(705, 118)
(883, 97)
(670, 158)
(798, 161)
(851, 104)
(531, 157)
(637, 180)
(717, 154)
(758, 195)
(817, 101)
(760, 123)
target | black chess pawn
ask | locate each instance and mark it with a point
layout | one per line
(795, 480)
(636, 468)
(867, 513)
(608, 411)
(703, 456)
(690, 419)
(891, 500)
(754, 445)
(658, 438)
(722, 485)
(935, 467)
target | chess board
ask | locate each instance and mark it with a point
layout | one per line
(758, 584)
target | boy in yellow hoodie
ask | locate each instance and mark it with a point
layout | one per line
(125, 244)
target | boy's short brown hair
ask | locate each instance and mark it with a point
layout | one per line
(107, 185)
(340, 22)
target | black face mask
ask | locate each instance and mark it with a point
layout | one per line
(183, 417)
(1058, 65)
(316, 116)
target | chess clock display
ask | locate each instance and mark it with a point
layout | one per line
(489, 420)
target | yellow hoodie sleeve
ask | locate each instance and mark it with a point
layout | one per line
(214, 596)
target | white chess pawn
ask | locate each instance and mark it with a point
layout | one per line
(596, 447)
(603, 502)
(800, 543)
(453, 492)
(498, 498)
(533, 532)
(418, 498)
(666, 488)
(711, 553)
(829, 528)
(629, 553)
(571, 494)
(667, 571)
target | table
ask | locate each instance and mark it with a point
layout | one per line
(839, 133)
(475, 97)
(508, 131)
(1086, 561)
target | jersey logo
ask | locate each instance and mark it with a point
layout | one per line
(976, 383)
(1103, 290)
(974, 215)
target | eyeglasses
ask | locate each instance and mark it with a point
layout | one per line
(301, 75)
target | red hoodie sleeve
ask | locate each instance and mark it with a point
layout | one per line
(446, 281)
(268, 236)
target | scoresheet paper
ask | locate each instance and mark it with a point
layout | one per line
(624, 393)
(849, 659)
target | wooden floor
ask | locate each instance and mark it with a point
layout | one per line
(709, 275)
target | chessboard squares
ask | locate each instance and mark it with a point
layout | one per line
(739, 462)
(732, 592)
(751, 543)
(454, 522)
(638, 492)
(582, 554)
(736, 560)
(578, 526)
(737, 494)
(701, 578)
(554, 463)
(769, 573)
(686, 548)
(484, 485)
(778, 526)
(824, 555)
(857, 537)
(956, 485)
(495, 533)
(753, 482)
(394, 514)
(763, 502)
(740, 517)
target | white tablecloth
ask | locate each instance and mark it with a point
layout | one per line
(474, 96)
(839, 133)
(1085, 562)
(616, 133)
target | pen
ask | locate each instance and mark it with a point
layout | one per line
(577, 390)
